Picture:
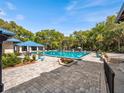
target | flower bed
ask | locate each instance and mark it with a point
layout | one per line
(67, 61)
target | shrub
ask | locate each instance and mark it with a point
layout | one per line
(5, 62)
(17, 53)
(10, 60)
(122, 49)
(26, 59)
(34, 57)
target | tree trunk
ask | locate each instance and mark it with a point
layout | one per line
(119, 45)
(82, 46)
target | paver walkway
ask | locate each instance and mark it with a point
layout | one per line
(118, 68)
(116, 55)
(92, 58)
(17, 75)
(83, 77)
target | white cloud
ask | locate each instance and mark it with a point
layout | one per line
(97, 16)
(10, 6)
(71, 5)
(78, 9)
(80, 4)
(92, 4)
(20, 17)
(4, 16)
(2, 13)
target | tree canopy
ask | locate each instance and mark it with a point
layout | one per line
(50, 37)
(105, 36)
(21, 33)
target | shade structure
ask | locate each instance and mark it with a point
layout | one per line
(4, 35)
(29, 43)
(14, 40)
(6, 32)
(120, 16)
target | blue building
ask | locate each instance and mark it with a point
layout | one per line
(9, 45)
(29, 46)
(12, 45)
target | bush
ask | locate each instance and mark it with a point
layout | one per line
(122, 49)
(10, 60)
(34, 57)
(17, 53)
(26, 59)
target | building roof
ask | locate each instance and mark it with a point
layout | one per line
(120, 16)
(13, 40)
(29, 43)
(6, 32)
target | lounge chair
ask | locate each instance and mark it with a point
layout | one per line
(41, 58)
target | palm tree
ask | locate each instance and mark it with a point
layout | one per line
(99, 40)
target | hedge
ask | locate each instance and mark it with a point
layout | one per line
(10, 60)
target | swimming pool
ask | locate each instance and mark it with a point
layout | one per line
(75, 55)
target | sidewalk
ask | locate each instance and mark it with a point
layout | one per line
(17, 75)
(91, 58)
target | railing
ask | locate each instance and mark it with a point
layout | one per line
(109, 73)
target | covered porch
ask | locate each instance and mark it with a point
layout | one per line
(29, 46)
(9, 45)
(120, 15)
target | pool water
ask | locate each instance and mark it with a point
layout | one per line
(75, 55)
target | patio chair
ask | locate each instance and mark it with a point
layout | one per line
(41, 58)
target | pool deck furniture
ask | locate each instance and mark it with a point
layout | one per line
(4, 35)
(41, 58)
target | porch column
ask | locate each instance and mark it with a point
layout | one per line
(27, 49)
(20, 49)
(15, 48)
(1, 84)
(30, 49)
(43, 48)
(37, 49)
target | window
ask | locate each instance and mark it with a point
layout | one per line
(40, 48)
(33, 48)
(24, 48)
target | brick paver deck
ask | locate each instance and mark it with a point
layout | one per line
(18, 75)
(118, 68)
(83, 77)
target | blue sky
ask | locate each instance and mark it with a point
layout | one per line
(65, 16)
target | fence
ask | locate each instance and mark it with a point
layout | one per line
(109, 73)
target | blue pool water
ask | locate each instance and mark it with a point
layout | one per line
(75, 55)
